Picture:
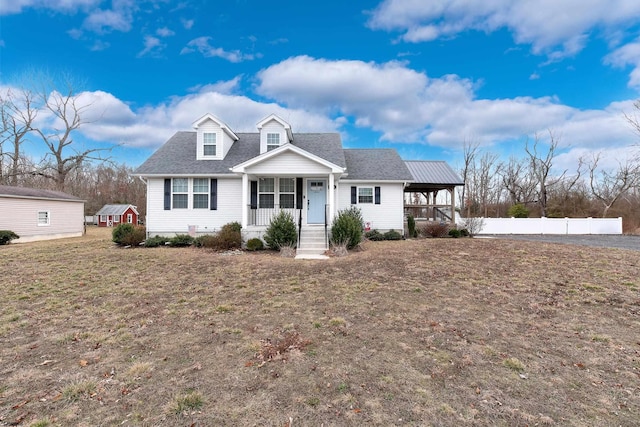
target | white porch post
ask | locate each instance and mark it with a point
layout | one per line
(332, 198)
(245, 200)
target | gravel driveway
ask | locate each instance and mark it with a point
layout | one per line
(619, 241)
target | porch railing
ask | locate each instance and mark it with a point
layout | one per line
(263, 216)
(435, 213)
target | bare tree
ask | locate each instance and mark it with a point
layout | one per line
(541, 165)
(469, 152)
(518, 181)
(18, 113)
(485, 179)
(67, 116)
(609, 186)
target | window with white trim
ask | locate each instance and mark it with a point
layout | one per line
(273, 141)
(116, 218)
(44, 218)
(266, 192)
(200, 193)
(365, 194)
(103, 218)
(130, 218)
(180, 193)
(209, 145)
(287, 192)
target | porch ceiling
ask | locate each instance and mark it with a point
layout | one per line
(420, 187)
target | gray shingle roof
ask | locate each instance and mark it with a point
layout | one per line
(113, 209)
(433, 172)
(376, 164)
(7, 190)
(178, 155)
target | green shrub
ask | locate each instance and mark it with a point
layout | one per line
(374, 235)
(199, 242)
(181, 240)
(518, 211)
(129, 234)
(255, 244)
(138, 236)
(6, 236)
(392, 235)
(228, 237)
(347, 227)
(154, 242)
(464, 232)
(233, 226)
(120, 232)
(281, 231)
(455, 233)
(411, 226)
(435, 229)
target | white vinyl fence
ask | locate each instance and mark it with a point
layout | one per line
(551, 226)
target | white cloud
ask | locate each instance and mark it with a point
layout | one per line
(164, 32)
(556, 28)
(187, 23)
(628, 54)
(407, 106)
(152, 47)
(100, 45)
(202, 45)
(224, 87)
(109, 119)
(17, 6)
(118, 18)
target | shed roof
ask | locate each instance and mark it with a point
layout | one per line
(115, 209)
(36, 193)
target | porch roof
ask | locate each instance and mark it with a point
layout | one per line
(431, 175)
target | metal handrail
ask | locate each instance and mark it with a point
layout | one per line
(326, 223)
(299, 227)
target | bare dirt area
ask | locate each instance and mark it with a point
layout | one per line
(442, 332)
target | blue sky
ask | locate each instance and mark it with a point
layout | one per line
(419, 76)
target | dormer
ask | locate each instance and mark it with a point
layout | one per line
(214, 138)
(274, 132)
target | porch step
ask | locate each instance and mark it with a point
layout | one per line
(312, 243)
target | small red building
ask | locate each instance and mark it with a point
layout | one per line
(114, 215)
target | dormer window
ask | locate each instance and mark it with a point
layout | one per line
(273, 141)
(209, 144)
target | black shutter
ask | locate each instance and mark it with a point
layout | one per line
(354, 195)
(254, 194)
(167, 194)
(298, 193)
(377, 197)
(214, 194)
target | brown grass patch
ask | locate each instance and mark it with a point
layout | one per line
(447, 332)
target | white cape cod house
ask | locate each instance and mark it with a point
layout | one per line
(201, 180)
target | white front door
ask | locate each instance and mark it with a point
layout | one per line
(316, 200)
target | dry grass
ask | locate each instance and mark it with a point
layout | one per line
(442, 332)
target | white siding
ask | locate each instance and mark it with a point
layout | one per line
(288, 163)
(272, 126)
(66, 218)
(177, 221)
(388, 215)
(223, 140)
